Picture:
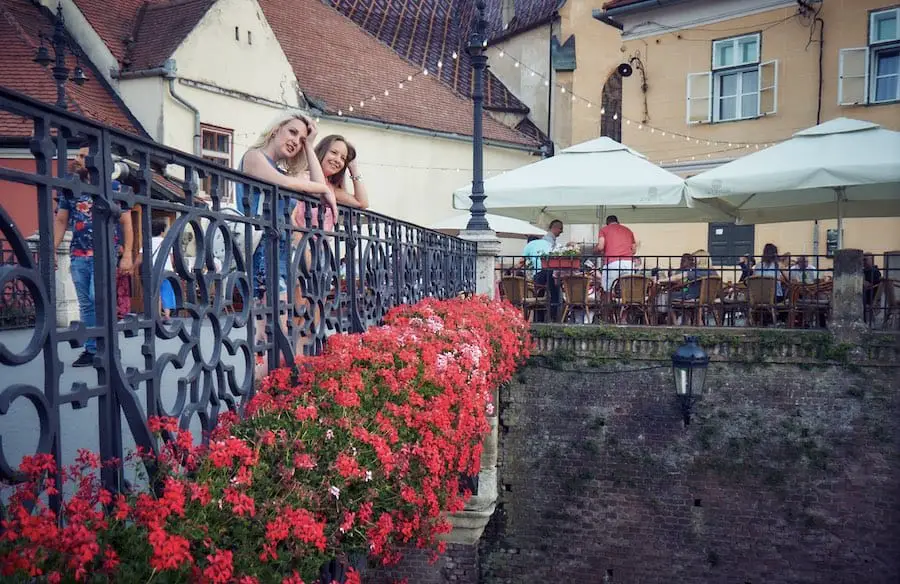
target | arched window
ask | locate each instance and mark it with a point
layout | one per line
(611, 102)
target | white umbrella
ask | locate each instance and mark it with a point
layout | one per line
(842, 168)
(498, 223)
(585, 182)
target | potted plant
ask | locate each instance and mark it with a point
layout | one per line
(566, 259)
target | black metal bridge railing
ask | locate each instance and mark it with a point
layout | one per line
(338, 279)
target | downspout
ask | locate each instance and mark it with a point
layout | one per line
(171, 75)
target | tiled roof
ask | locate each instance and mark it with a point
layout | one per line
(160, 28)
(21, 21)
(342, 64)
(528, 14)
(424, 32)
(113, 20)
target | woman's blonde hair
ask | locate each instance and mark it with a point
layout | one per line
(298, 163)
(701, 259)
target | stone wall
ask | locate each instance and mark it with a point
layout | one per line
(788, 472)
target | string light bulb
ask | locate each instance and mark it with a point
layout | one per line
(516, 64)
(386, 93)
(440, 64)
(455, 55)
(400, 85)
(425, 72)
(351, 108)
(616, 116)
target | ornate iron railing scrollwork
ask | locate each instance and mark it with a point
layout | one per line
(320, 275)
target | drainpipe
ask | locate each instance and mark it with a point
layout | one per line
(169, 73)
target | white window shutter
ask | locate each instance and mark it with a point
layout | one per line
(853, 76)
(699, 98)
(768, 88)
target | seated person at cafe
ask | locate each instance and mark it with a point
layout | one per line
(769, 268)
(544, 281)
(697, 267)
(802, 272)
(871, 279)
(746, 264)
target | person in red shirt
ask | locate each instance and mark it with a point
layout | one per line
(618, 246)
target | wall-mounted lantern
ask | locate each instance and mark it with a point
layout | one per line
(689, 365)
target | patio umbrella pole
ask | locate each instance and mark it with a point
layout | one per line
(841, 195)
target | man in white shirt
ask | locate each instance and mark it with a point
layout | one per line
(553, 232)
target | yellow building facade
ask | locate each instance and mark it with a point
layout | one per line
(707, 74)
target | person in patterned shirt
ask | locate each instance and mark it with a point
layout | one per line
(75, 211)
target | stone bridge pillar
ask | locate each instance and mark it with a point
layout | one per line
(66, 300)
(469, 524)
(847, 322)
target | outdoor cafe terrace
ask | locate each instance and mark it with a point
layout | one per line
(662, 291)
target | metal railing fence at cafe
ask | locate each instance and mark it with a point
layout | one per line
(340, 278)
(667, 290)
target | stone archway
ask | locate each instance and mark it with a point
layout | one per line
(611, 102)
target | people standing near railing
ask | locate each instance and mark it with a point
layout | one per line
(618, 246)
(281, 155)
(338, 156)
(75, 211)
(166, 291)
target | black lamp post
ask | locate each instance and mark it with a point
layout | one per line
(689, 365)
(477, 41)
(61, 45)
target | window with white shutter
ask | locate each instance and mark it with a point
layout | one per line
(871, 74)
(853, 76)
(768, 88)
(739, 87)
(699, 97)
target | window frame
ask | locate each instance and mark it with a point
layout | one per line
(873, 76)
(734, 39)
(873, 50)
(872, 15)
(717, 73)
(217, 156)
(738, 96)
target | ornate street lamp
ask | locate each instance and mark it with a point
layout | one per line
(61, 45)
(689, 365)
(477, 43)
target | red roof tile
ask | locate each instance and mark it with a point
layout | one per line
(424, 32)
(21, 21)
(160, 29)
(113, 20)
(341, 64)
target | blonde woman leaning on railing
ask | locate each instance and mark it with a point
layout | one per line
(282, 155)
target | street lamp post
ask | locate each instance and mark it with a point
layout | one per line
(61, 46)
(477, 41)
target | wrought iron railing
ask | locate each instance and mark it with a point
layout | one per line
(668, 290)
(16, 302)
(342, 279)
